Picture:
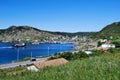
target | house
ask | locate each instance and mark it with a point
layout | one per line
(38, 65)
(108, 45)
(88, 51)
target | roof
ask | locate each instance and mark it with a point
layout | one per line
(54, 62)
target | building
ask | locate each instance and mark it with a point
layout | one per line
(108, 45)
(38, 65)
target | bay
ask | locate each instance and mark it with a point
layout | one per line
(10, 54)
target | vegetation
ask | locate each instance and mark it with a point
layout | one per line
(97, 52)
(81, 55)
(116, 42)
(102, 67)
(12, 72)
(66, 55)
(112, 30)
(70, 56)
(100, 43)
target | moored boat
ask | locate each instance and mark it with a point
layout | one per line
(19, 45)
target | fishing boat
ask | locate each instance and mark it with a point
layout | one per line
(19, 45)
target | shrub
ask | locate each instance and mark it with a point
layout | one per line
(79, 55)
(83, 54)
(66, 55)
(27, 58)
(97, 52)
(100, 43)
(117, 44)
(113, 50)
(52, 57)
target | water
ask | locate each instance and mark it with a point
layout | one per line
(9, 54)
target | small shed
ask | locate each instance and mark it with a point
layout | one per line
(32, 67)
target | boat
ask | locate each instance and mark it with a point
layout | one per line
(19, 45)
(35, 42)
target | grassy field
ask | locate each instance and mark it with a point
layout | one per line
(103, 67)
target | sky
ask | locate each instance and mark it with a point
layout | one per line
(60, 15)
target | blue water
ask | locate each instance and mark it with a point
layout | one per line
(9, 54)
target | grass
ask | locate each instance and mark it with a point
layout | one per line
(103, 67)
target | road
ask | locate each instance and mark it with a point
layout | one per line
(12, 65)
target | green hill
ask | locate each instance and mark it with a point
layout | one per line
(110, 30)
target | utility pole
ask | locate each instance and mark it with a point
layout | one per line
(60, 48)
(48, 50)
(18, 54)
(31, 55)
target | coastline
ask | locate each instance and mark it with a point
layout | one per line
(24, 63)
(11, 54)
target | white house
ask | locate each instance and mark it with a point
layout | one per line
(88, 52)
(107, 45)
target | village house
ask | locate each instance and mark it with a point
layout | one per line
(106, 46)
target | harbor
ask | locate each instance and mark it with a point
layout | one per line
(10, 54)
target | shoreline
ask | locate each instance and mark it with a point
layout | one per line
(24, 63)
(30, 49)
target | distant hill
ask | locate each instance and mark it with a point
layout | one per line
(27, 32)
(21, 32)
(74, 34)
(14, 33)
(110, 30)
